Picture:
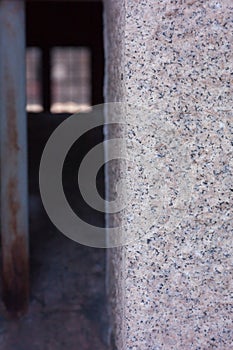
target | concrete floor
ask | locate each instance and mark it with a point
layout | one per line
(67, 301)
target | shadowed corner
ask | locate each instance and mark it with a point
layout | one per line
(63, 74)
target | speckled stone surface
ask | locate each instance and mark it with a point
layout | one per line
(172, 289)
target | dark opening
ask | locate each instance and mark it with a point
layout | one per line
(64, 74)
(67, 24)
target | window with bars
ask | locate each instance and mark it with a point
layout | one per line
(69, 79)
(33, 76)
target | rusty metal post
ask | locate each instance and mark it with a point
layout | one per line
(13, 161)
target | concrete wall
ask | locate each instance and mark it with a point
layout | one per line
(172, 289)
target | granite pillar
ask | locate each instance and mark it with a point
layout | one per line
(172, 289)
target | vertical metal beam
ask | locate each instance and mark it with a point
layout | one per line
(97, 73)
(13, 161)
(46, 79)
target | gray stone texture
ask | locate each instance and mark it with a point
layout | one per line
(172, 289)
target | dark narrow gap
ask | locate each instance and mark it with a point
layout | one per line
(68, 302)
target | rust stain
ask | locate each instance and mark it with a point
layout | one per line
(14, 205)
(11, 115)
(16, 278)
(15, 272)
(15, 9)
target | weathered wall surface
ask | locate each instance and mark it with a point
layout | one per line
(173, 288)
(114, 22)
